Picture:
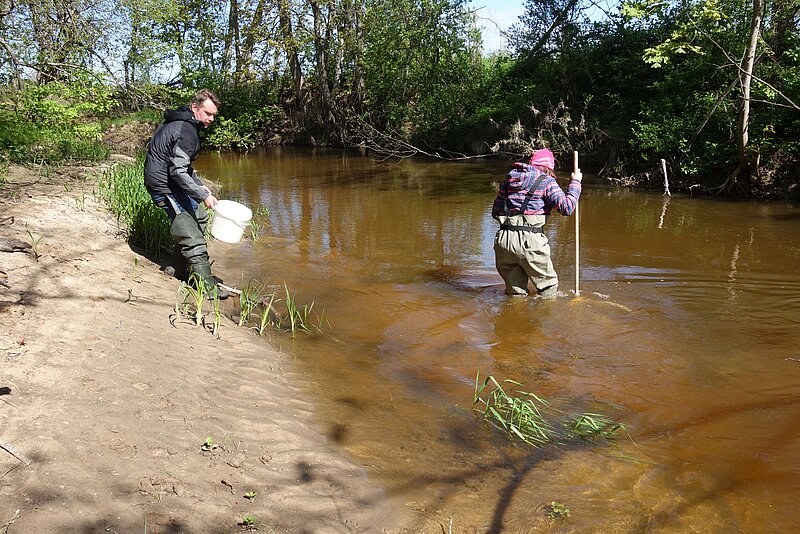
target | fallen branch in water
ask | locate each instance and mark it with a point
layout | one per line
(390, 144)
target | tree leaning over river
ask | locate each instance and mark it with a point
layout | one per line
(711, 87)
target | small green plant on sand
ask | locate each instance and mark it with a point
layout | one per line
(532, 419)
(35, 244)
(250, 495)
(80, 202)
(217, 313)
(248, 522)
(190, 299)
(208, 445)
(133, 272)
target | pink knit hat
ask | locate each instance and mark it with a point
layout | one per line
(543, 158)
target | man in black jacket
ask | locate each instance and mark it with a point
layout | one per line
(176, 187)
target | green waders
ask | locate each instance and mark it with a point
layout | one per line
(188, 232)
(525, 255)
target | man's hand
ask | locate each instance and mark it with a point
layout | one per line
(577, 175)
(210, 201)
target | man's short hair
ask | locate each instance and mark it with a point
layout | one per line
(204, 94)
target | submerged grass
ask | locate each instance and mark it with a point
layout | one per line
(145, 224)
(533, 420)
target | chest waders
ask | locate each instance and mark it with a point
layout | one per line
(188, 232)
(521, 257)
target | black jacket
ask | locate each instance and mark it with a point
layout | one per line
(173, 148)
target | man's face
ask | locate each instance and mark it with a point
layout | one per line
(205, 112)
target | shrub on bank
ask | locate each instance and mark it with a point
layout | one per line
(54, 122)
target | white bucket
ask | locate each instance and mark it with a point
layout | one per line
(230, 220)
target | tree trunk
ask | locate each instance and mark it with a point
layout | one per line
(748, 63)
(321, 53)
(290, 46)
(231, 46)
(244, 65)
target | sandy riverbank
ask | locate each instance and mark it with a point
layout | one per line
(104, 404)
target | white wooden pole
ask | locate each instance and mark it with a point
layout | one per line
(576, 169)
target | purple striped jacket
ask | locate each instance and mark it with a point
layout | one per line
(548, 194)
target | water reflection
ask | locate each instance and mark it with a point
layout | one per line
(685, 330)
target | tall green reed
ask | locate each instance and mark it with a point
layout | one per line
(145, 224)
(266, 315)
(249, 299)
(298, 315)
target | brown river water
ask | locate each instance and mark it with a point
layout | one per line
(687, 330)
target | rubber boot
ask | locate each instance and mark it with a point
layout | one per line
(549, 292)
(187, 232)
(203, 270)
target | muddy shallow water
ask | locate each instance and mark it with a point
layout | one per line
(686, 330)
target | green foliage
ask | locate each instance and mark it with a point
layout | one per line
(3, 168)
(55, 122)
(58, 103)
(146, 225)
(411, 71)
(247, 112)
(420, 62)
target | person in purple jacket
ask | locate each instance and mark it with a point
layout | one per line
(525, 199)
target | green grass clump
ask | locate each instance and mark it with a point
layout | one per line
(122, 188)
(257, 303)
(249, 300)
(190, 300)
(533, 420)
(297, 314)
